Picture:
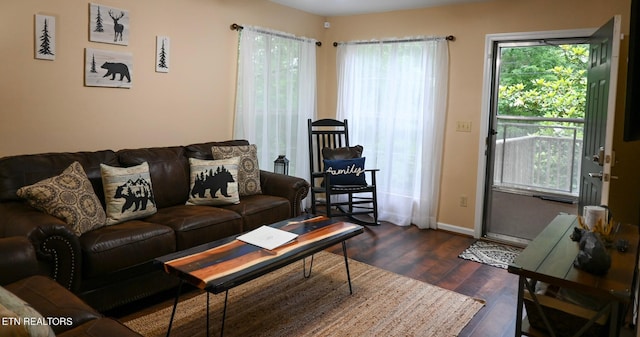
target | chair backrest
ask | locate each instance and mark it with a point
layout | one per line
(323, 133)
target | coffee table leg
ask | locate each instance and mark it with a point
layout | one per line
(346, 264)
(224, 312)
(175, 305)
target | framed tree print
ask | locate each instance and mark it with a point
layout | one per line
(105, 68)
(163, 44)
(108, 24)
(45, 37)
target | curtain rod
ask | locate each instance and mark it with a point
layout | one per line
(448, 38)
(235, 26)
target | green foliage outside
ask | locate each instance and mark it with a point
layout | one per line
(543, 81)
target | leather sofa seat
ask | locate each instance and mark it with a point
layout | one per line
(111, 248)
(195, 225)
(258, 210)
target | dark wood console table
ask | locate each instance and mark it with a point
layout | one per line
(549, 258)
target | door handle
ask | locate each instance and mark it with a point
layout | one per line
(595, 175)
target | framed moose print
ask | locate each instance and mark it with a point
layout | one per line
(105, 68)
(108, 24)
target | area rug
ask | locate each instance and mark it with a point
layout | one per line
(493, 254)
(284, 303)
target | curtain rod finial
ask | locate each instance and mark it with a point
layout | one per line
(450, 38)
(235, 26)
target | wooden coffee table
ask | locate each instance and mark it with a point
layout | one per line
(221, 265)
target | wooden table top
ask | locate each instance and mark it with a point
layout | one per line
(549, 258)
(224, 264)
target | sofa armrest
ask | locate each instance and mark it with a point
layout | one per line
(292, 188)
(55, 245)
(17, 259)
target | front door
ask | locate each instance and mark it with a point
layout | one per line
(602, 78)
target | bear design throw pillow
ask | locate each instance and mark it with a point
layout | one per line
(128, 192)
(214, 182)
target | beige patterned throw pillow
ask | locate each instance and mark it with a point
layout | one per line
(128, 192)
(248, 172)
(68, 196)
(214, 182)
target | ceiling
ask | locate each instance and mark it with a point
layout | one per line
(353, 7)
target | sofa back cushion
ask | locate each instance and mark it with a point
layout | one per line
(203, 150)
(23, 170)
(169, 170)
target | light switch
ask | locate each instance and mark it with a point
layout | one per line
(463, 126)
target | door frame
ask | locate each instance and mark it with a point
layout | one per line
(487, 85)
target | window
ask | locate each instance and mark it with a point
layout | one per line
(276, 94)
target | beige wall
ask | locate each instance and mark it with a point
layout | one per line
(470, 23)
(45, 106)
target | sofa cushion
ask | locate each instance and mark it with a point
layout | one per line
(203, 150)
(128, 192)
(261, 209)
(53, 300)
(68, 196)
(249, 170)
(111, 248)
(169, 170)
(22, 170)
(17, 317)
(214, 182)
(195, 225)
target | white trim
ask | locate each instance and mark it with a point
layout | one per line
(455, 229)
(490, 40)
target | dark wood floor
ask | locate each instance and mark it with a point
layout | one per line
(432, 256)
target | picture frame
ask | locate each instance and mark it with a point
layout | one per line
(45, 37)
(109, 24)
(163, 54)
(106, 68)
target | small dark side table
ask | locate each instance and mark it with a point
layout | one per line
(549, 258)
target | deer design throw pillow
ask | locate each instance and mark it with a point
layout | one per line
(128, 192)
(214, 182)
(68, 196)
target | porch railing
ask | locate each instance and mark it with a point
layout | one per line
(538, 154)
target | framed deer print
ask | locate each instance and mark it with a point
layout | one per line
(105, 68)
(108, 24)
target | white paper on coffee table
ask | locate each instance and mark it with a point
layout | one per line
(267, 237)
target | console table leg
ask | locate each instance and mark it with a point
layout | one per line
(346, 264)
(175, 305)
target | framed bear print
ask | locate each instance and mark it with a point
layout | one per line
(105, 68)
(108, 24)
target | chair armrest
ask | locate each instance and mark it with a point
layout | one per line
(56, 246)
(291, 188)
(17, 259)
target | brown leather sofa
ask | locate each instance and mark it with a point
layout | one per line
(69, 316)
(113, 265)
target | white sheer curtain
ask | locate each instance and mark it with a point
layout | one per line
(276, 95)
(394, 96)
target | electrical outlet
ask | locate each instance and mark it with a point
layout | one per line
(463, 126)
(463, 201)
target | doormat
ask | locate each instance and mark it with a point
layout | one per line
(490, 253)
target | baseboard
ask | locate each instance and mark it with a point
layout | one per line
(456, 229)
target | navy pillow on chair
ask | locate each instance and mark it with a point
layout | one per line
(346, 171)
